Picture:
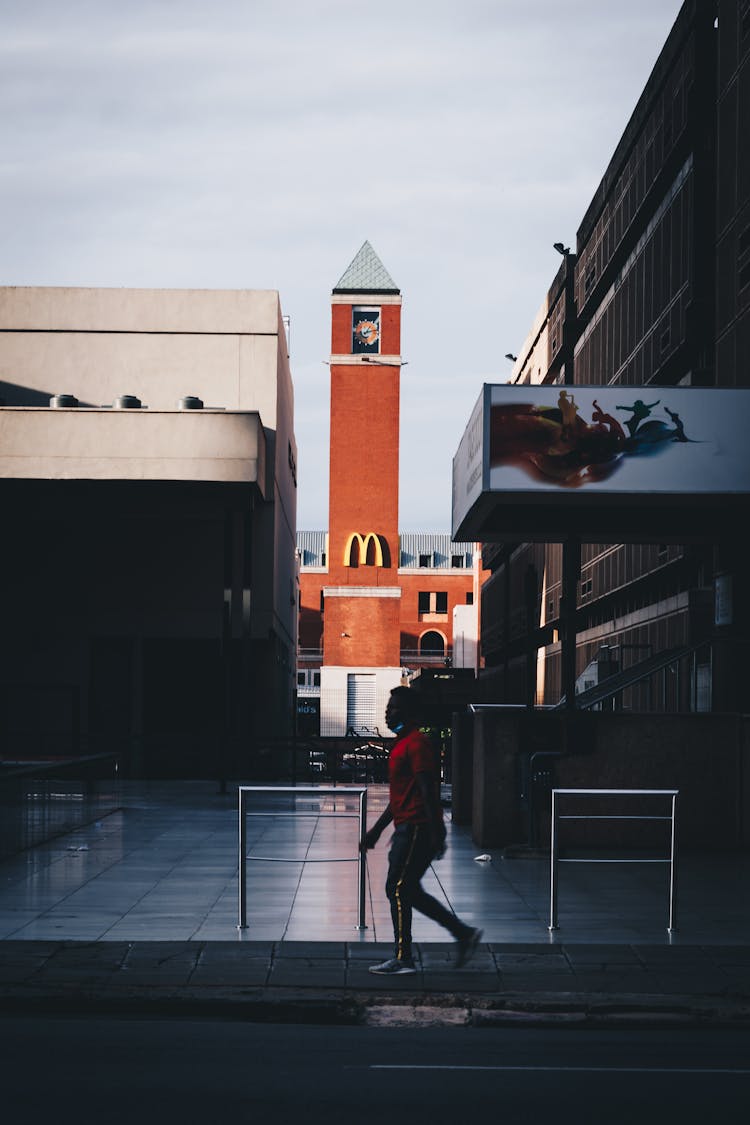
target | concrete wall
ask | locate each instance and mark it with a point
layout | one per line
(706, 757)
(462, 768)
(275, 594)
(37, 443)
(228, 349)
(158, 344)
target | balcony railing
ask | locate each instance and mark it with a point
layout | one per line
(407, 657)
(411, 656)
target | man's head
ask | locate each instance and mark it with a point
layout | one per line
(403, 709)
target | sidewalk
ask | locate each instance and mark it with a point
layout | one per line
(139, 912)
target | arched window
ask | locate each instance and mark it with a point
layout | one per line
(432, 643)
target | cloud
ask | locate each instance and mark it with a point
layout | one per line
(257, 143)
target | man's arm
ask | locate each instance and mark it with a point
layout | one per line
(372, 837)
(427, 789)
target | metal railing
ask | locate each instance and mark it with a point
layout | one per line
(42, 800)
(555, 858)
(420, 656)
(297, 791)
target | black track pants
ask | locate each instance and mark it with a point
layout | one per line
(410, 855)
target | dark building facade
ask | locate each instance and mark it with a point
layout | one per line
(656, 294)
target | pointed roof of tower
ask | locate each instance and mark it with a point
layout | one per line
(366, 274)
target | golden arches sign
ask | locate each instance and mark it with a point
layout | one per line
(363, 542)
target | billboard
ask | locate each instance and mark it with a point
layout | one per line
(569, 448)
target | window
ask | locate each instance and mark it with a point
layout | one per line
(433, 602)
(457, 561)
(316, 679)
(301, 679)
(431, 644)
(425, 560)
(587, 589)
(470, 598)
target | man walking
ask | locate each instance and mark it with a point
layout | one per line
(418, 838)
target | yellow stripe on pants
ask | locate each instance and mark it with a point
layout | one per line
(397, 896)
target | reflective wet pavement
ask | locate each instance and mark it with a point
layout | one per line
(164, 868)
(138, 912)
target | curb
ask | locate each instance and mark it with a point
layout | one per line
(379, 1010)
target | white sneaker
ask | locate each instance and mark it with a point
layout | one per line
(393, 967)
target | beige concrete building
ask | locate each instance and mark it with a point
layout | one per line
(148, 483)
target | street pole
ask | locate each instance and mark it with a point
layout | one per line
(571, 570)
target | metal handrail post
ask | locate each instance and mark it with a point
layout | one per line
(362, 859)
(672, 868)
(317, 791)
(554, 844)
(243, 862)
(553, 867)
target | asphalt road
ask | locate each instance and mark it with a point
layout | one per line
(140, 1070)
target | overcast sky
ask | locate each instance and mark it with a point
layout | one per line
(258, 143)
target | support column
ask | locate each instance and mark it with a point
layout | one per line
(571, 569)
(531, 591)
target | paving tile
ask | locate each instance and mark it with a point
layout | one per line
(125, 932)
(225, 952)
(37, 930)
(22, 960)
(369, 953)
(612, 950)
(11, 923)
(254, 972)
(309, 974)
(309, 950)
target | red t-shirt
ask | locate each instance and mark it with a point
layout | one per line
(411, 755)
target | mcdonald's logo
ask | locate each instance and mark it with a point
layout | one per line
(365, 550)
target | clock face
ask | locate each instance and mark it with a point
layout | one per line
(365, 330)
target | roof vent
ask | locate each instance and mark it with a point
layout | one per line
(127, 402)
(190, 402)
(59, 401)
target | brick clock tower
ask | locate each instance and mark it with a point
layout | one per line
(361, 610)
(374, 605)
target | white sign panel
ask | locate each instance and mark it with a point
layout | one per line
(470, 462)
(619, 439)
(568, 446)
